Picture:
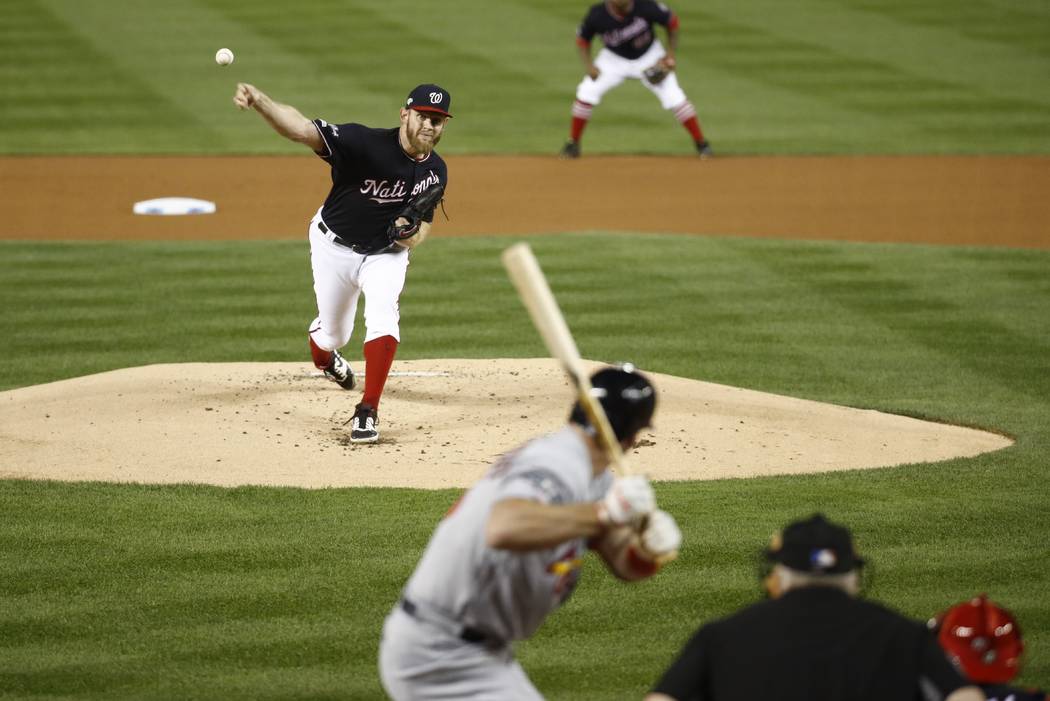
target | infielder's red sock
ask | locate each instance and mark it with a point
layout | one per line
(686, 114)
(320, 355)
(379, 356)
(581, 113)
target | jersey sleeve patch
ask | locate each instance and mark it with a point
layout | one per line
(539, 484)
(328, 132)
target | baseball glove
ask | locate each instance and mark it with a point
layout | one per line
(656, 73)
(418, 210)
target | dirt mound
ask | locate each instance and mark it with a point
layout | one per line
(441, 423)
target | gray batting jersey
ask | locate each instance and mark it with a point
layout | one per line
(508, 594)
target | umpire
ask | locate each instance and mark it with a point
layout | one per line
(813, 639)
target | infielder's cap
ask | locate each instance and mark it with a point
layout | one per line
(815, 545)
(429, 98)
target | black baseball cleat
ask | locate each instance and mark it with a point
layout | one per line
(364, 426)
(571, 149)
(339, 372)
(703, 149)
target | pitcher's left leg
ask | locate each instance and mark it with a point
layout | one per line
(382, 279)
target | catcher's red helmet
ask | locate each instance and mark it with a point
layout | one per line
(982, 638)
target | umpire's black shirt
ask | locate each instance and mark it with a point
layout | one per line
(812, 644)
(372, 179)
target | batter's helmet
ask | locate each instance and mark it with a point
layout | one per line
(627, 397)
(982, 639)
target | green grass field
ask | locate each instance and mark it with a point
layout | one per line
(810, 76)
(136, 592)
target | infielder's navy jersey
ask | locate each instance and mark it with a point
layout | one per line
(372, 179)
(629, 36)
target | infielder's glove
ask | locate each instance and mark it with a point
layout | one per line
(656, 73)
(418, 210)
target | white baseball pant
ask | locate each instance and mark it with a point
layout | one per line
(616, 69)
(422, 662)
(340, 277)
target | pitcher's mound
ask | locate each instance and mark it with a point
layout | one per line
(441, 423)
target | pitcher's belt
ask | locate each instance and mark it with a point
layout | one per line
(355, 247)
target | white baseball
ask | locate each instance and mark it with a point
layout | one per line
(224, 57)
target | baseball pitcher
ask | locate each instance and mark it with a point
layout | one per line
(385, 186)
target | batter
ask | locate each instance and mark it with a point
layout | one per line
(376, 173)
(629, 48)
(510, 551)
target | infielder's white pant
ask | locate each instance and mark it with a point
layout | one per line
(420, 662)
(340, 277)
(616, 69)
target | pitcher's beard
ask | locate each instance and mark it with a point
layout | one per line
(422, 146)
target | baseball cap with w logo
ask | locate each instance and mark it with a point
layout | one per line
(429, 98)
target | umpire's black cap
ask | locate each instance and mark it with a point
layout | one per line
(815, 545)
(429, 98)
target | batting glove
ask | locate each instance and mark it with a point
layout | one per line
(661, 535)
(627, 501)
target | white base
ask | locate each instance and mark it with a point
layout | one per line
(168, 206)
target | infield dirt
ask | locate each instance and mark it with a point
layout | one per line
(986, 200)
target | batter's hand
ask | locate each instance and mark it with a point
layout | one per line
(593, 72)
(669, 62)
(246, 96)
(661, 536)
(627, 501)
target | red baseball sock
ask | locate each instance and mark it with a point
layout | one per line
(320, 355)
(692, 125)
(379, 356)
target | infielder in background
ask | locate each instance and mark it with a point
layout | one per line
(509, 552)
(361, 236)
(631, 50)
(814, 640)
(984, 641)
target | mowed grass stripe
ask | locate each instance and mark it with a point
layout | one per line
(208, 588)
(1018, 25)
(169, 49)
(901, 311)
(84, 86)
(889, 32)
(452, 48)
(911, 106)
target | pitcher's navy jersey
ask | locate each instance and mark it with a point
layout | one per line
(629, 35)
(372, 179)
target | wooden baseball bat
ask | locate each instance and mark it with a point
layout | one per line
(528, 278)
